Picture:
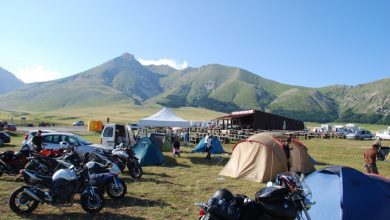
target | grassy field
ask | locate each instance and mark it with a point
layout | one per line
(118, 113)
(169, 191)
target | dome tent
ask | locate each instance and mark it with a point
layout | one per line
(216, 149)
(345, 193)
(147, 152)
(261, 157)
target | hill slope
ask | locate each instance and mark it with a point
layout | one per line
(8, 82)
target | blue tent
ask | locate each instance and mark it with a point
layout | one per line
(216, 149)
(345, 193)
(147, 152)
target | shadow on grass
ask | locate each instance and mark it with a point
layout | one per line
(146, 173)
(215, 160)
(129, 201)
(80, 216)
(172, 162)
(146, 180)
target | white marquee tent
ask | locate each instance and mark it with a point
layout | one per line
(164, 118)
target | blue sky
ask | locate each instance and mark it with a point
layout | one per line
(311, 43)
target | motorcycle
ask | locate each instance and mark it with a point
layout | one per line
(289, 198)
(12, 162)
(58, 190)
(102, 177)
(124, 156)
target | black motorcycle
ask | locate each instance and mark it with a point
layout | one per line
(288, 199)
(12, 162)
(58, 190)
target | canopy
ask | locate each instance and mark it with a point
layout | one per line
(164, 118)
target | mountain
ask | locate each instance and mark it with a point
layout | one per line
(8, 82)
(217, 87)
(214, 86)
(120, 80)
(365, 103)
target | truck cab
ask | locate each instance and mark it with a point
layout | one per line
(114, 134)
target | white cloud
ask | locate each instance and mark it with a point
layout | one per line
(36, 73)
(165, 61)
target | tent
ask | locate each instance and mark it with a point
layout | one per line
(216, 149)
(345, 193)
(261, 157)
(147, 152)
(301, 161)
(164, 118)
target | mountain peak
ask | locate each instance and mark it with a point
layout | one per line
(127, 56)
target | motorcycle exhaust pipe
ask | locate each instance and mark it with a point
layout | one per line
(32, 194)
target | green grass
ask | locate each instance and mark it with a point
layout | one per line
(169, 191)
(116, 113)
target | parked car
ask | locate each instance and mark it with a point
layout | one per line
(10, 127)
(4, 138)
(360, 135)
(29, 135)
(78, 123)
(385, 135)
(52, 141)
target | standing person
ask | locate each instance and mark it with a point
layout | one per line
(370, 155)
(209, 145)
(37, 141)
(176, 147)
(286, 149)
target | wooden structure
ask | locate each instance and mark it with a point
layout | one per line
(258, 120)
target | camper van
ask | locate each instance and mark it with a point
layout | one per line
(114, 134)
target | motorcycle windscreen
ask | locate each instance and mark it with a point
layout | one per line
(326, 193)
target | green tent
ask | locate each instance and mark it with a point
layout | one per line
(147, 152)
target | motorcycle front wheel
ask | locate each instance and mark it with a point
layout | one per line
(135, 170)
(92, 203)
(116, 191)
(21, 203)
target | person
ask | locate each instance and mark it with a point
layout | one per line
(370, 155)
(286, 149)
(209, 145)
(176, 147)
(37, 141)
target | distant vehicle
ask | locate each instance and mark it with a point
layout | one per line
(29, 135)
(29, 125)
(385, 135)
(78, 123)
(10, 127)
(343, 131)
(4, 138)
(360, 135)
(52, 141)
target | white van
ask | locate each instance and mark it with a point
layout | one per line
(114, 134)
